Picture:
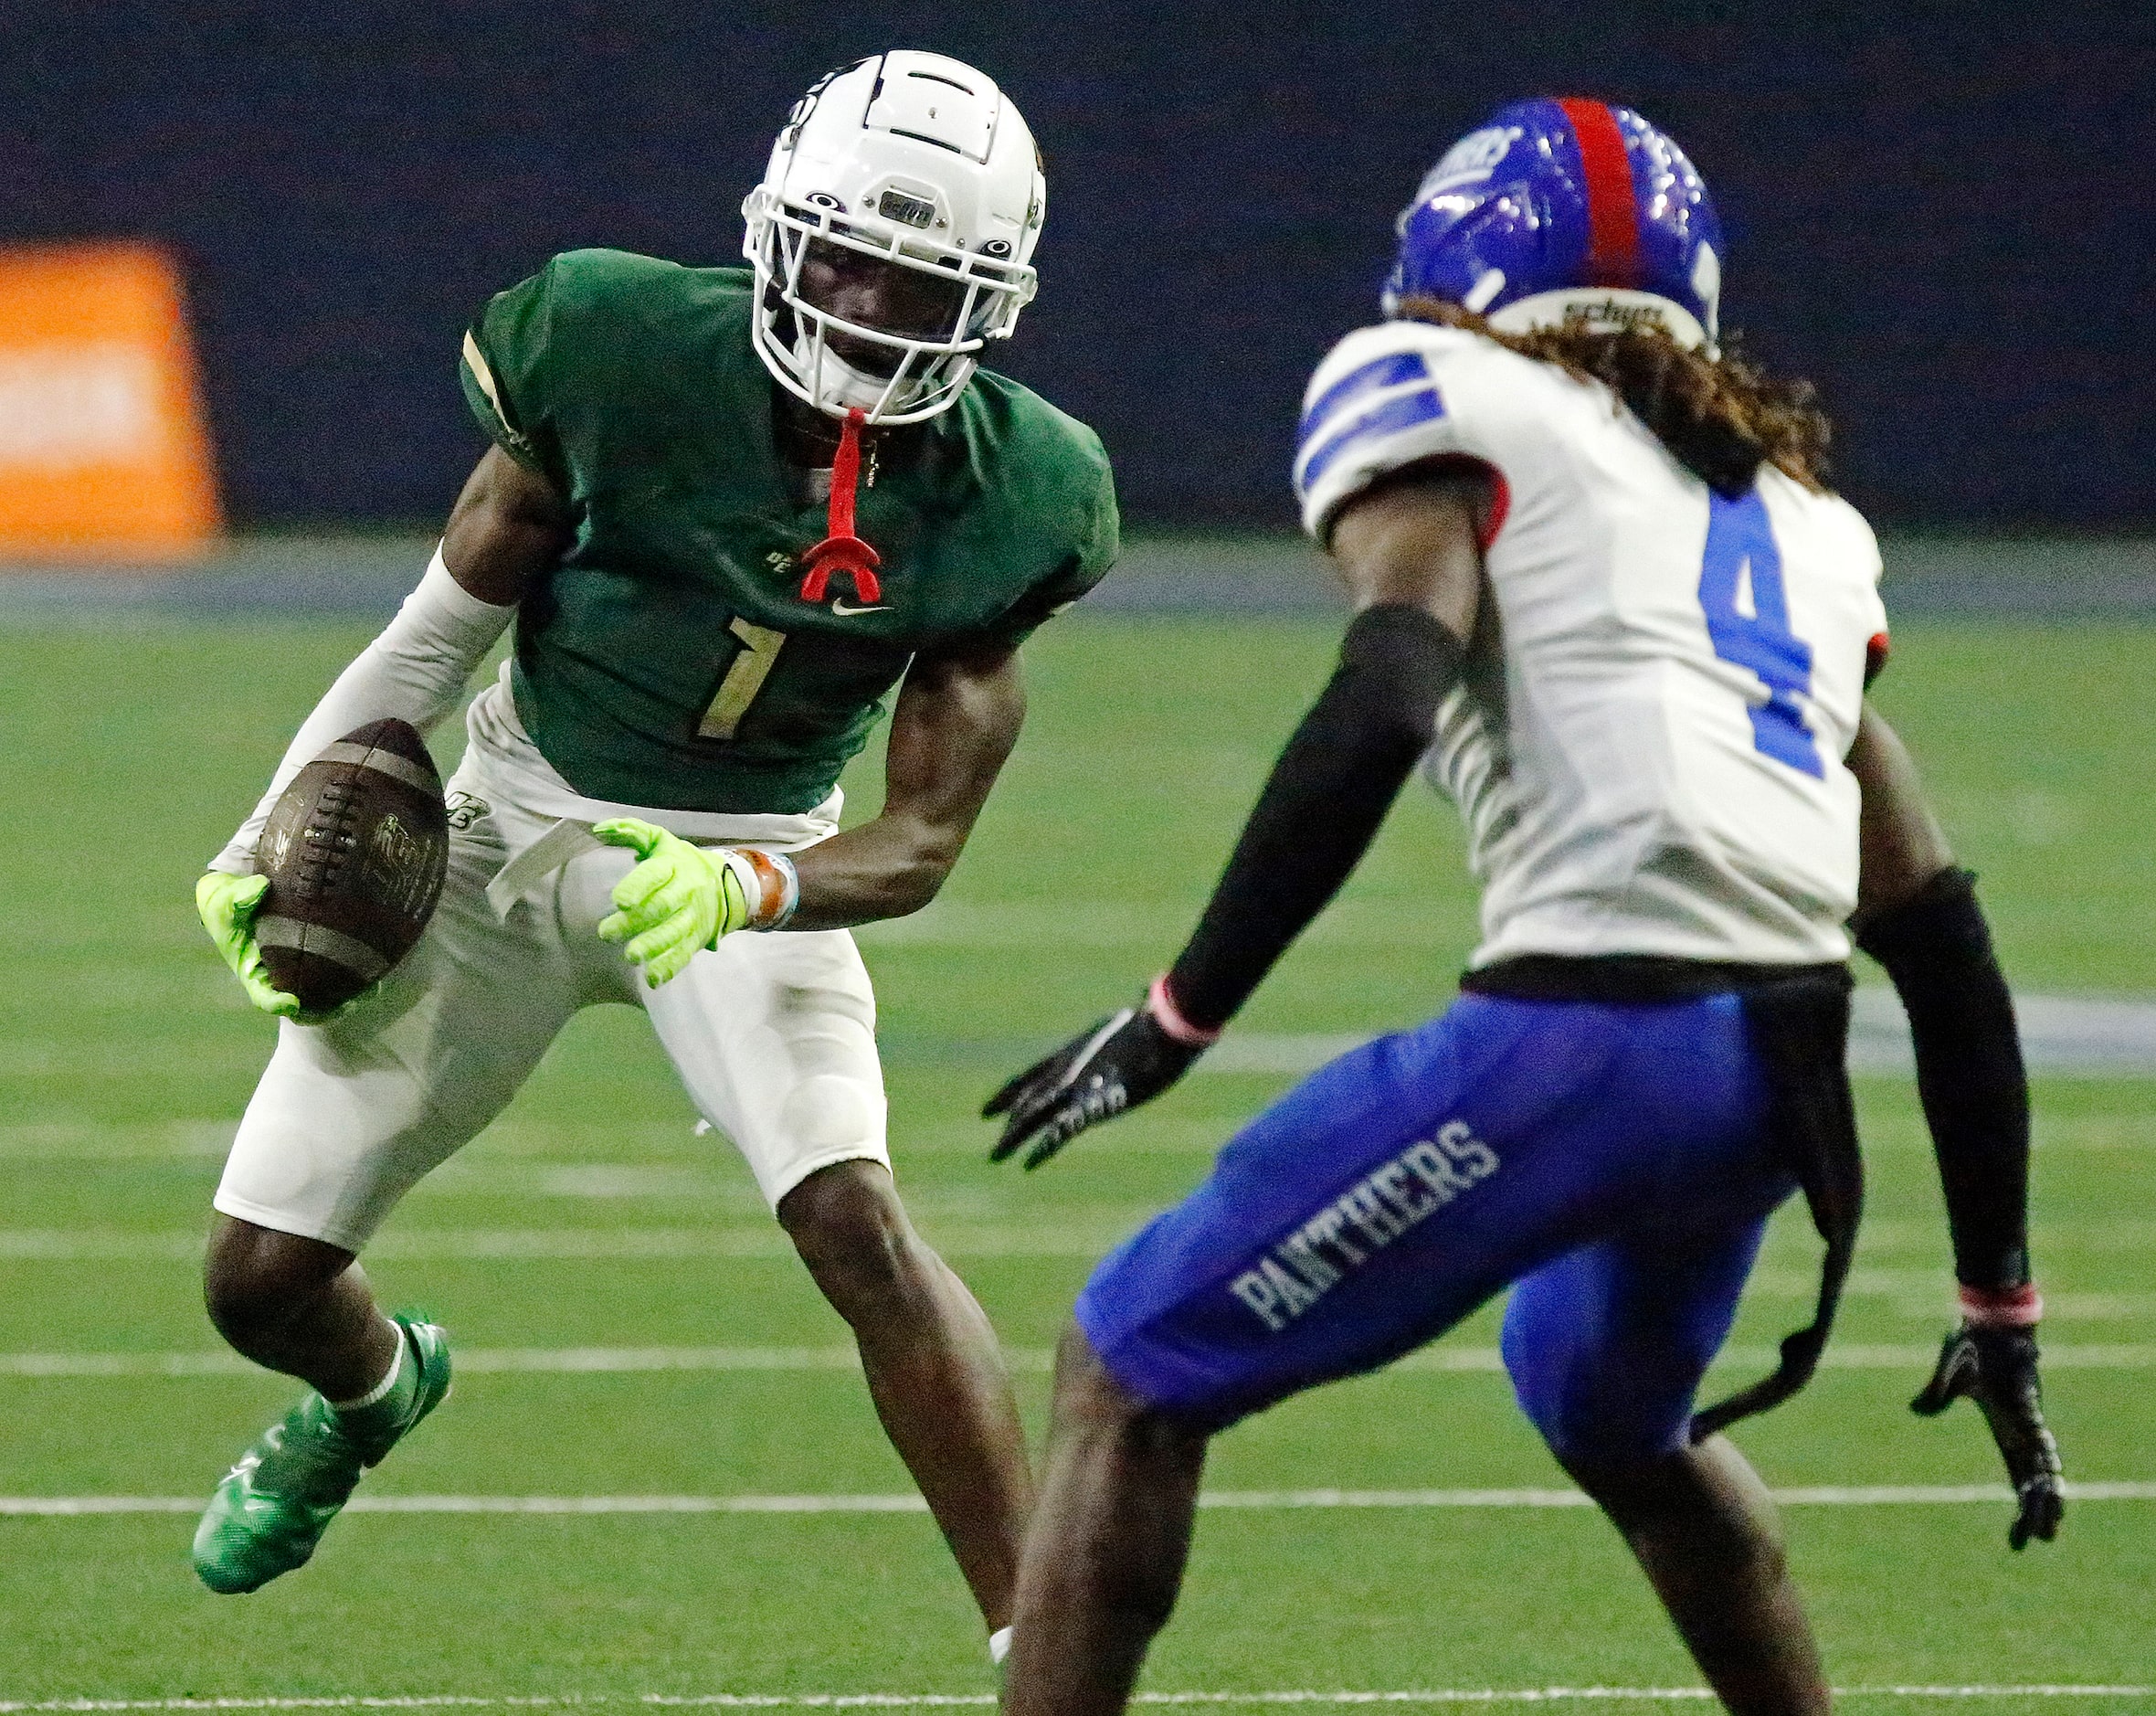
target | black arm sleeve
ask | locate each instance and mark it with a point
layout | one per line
(1323, 806)
(1937, 949)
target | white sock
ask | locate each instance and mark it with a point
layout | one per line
(380, 1392)
(998, 1646)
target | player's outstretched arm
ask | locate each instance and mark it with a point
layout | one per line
(1918, 917)
(1412, 558)
(508, 526)
(957, 717)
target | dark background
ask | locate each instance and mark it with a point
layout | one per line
(1944, 214)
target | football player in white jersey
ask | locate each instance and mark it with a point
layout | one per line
(1592, 556)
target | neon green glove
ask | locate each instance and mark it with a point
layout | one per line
(677, 902)
(226, 904)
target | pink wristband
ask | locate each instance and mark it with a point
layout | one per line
(1169, 1018)
(2002, 1307)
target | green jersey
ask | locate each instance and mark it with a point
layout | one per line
(670, 659)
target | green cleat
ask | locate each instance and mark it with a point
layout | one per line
(273, 1506)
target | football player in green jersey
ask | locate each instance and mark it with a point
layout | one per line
(727, 511)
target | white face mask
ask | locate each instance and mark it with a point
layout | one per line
(928, 371)
(835, 386)
(840, 388)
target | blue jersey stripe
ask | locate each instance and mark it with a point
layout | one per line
(1404, 412)
(1386, 372)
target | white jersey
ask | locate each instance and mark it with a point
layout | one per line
(1646, 746)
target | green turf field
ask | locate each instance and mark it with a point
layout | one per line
(590, 1218)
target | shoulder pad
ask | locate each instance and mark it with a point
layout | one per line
(1384, 397)
(1062, 460)
(590, 276)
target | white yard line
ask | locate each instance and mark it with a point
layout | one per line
(973, 1700)
(554, 1159)
(1088, 1232)
(1802, 1496)
(568, 1360)
(1051, 1238)
(639, 1360)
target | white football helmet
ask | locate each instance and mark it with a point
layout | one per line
(921, 161)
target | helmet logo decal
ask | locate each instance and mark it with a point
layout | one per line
(798, 115)
(1468, 162)
(1475, 156)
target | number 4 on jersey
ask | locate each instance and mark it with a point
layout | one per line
(1741, 556)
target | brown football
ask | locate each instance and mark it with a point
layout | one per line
(355, 852)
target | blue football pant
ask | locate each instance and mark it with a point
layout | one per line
(1610, 1164)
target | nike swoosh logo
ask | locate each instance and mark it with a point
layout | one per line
(839, 607)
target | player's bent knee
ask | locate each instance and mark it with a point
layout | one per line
(1696, 1515)
(257, 1281)
(1090, 1399)
(1585, 1438)
(1628, 1489)
(1085, 1387)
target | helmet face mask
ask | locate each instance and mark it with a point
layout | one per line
(910, 164)
(877, 297)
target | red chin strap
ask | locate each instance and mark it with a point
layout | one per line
(841, 550)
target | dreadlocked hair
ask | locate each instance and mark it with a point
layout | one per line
(1721, 417)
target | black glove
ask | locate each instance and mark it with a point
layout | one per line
(1996, 1368)
(1123, 1060)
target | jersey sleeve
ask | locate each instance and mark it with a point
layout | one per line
(1865, 548)
(509, 367)
(1384, 398)
(1097, 538)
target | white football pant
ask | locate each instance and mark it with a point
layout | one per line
(773, 1036)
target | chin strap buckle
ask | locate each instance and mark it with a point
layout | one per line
(841, 550)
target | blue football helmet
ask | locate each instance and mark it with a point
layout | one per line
(1565, 211)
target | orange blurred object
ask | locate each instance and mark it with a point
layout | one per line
(104, 453)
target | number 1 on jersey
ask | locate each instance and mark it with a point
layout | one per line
(1740, 553)
(745, 674)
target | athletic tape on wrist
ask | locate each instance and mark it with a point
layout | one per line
(770, 883)
(2002, 1307)
(1169, 1018)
